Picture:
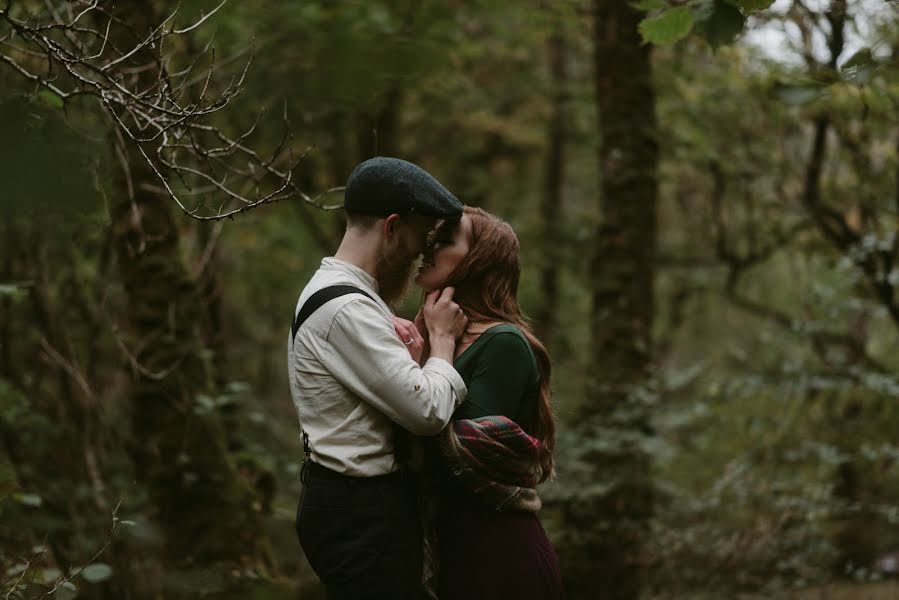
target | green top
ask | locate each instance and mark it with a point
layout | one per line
(502, 377)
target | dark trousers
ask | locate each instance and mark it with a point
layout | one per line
(361, 535)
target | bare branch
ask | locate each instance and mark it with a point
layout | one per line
(147, 43)
(68, 367)
(875, 264)
(170, 123)
(201, 21)
(91, 7)
(208, 251)
(77, 571)
(738, 263)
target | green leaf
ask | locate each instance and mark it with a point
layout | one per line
(723, 25)
(50, 99)
(205, 404)
(238, 387)
(860, 67)
(667, 28)
(860, 75)
(97, 572)
(67, 591)
(12, 290)
(29, 499)
(861, 58)
(796, 94)
(50, 575)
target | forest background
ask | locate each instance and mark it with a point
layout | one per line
(707, 198)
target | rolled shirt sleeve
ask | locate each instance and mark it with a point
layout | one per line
(365, 355)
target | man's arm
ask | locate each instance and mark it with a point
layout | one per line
(365, 354)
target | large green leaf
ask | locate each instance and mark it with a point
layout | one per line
(724, 23)
(862, 58)
(668, 27)
(860, 67)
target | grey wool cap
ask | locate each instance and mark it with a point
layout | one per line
(383, 186)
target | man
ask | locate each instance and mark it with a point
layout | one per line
(353, 379)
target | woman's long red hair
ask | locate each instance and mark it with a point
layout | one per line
(486, 282)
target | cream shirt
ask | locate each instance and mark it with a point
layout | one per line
(351, 378)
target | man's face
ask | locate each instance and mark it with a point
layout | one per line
(402, 248)
(416, 229)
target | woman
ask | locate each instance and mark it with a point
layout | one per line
(489, 548)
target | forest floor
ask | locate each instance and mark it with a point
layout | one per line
(888, 590)
(870, 591)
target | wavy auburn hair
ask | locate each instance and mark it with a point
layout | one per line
(486, 282)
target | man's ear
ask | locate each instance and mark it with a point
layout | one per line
(390, 224)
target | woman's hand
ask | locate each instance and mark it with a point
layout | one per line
(443, 317)
(410, 336)
(445, 322)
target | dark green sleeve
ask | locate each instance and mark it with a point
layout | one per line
(503, 374)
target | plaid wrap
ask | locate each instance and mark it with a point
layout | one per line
(494, 459)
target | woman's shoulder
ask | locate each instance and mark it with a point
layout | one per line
(507, 341)
(506, 332)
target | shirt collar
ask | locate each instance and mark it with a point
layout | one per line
(358, 274)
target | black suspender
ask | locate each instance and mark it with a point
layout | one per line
(312, 304)
(318, 299)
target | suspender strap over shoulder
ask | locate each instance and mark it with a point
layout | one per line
(318, 299)
(312, 304)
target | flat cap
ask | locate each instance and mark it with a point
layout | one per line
(383, 186)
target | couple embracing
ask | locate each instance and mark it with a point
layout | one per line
(423, 441)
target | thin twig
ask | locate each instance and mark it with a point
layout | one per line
(154, 114)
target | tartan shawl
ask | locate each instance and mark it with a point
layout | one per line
(494, 459)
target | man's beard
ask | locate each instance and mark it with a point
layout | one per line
(395, 274)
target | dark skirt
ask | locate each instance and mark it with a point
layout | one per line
(488, 554)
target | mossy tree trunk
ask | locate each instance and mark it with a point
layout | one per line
(608, 557)
(203, 508)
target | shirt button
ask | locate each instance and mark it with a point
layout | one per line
(417, 387)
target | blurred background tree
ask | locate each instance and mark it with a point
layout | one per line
(707, 196)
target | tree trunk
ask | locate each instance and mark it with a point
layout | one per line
(554, 173)
(203, 508)
(608, 559)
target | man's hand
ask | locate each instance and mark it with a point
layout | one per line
(445, 322)
(410, 336)
(422, 328)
